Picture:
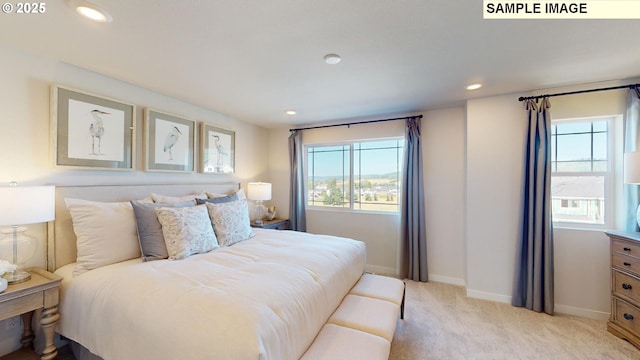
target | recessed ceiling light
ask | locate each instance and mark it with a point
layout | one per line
(332, 59)
(290, 112)
(91, 11)
(474, 86)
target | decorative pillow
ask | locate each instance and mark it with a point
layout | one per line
(230, 221)
(241, 194)
(150, 235)
(219, 199)
(214, 195)
(105, 232)
(163, 199)
(186, 230)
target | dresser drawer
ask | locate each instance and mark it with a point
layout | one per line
(627, 248)
(626, 263)
(626, 286)
(626, 315)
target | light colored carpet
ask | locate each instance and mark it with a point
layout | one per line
(442, 323)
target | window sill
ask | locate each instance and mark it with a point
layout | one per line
(352, 211)
(572, 227)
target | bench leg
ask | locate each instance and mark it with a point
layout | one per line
(404, 293)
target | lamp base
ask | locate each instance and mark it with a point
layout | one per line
(259, 213)
(18, 276)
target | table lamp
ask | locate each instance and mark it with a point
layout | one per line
(259, 192)
(22, 205)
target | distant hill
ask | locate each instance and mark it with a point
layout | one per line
(387, 176)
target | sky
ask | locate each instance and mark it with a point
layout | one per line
(577, 147)
(333, 160)
(573, 143)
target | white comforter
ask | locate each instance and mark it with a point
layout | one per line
(264, 298)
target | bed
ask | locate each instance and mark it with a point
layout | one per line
(266, 297)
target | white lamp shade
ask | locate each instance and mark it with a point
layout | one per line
(22, 205)
(632, 167)
(259, 191)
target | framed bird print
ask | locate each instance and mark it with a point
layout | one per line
(169, 142)
(217, 150)
(91, 131)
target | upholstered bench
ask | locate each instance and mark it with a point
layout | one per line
(375, 316)
(338, 342)
(383, 288)
(362, 327)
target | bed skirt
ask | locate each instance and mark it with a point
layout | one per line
(80, 352)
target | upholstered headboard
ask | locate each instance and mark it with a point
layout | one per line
(61, 247)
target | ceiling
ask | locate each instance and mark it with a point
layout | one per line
(252, 59)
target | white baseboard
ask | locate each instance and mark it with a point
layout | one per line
(447, 280)
(489, 296)
(582, 312)
(558, 308)
(381, 270)
(501, 298)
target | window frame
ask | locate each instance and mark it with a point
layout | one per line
(350, 201)
(609, 175)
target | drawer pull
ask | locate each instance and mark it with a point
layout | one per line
(628, 316)
(627, 249)
(626, 264)
(626, 286)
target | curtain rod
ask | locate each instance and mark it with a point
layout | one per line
(355, 123)
(630, 86)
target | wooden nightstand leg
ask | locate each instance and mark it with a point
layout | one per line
(48, 322)
(27, 332)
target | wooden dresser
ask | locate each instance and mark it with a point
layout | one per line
(625, 286)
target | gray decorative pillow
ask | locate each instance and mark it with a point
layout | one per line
(186, 231)
(150, 235)
(219, 199)
(230, 221)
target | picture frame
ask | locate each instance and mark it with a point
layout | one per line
(169, 142)
(217, 150)
(90, 131)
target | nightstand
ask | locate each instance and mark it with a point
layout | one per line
(39, 292)
(277, 224)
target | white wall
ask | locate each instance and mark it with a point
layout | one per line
(495, 131)
(443, 132)
(443, 160)
(472, 158)
(24, 139)
(380, 232)
(279, 170)
(473, 169)
(582, 257)
(495, 128)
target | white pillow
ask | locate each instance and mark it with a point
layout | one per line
(240, 193)
(230, 221)
(163, 199)
(186, 230)
(214, 195)
(105, 232)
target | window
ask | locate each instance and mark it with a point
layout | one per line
(362, 175)
(581, 171)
